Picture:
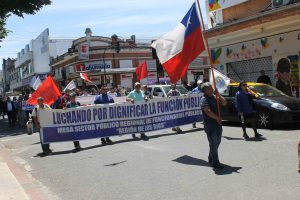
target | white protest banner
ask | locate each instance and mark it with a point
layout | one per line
(96, 121)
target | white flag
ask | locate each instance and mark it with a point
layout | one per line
(222, 81)
(70, 86)
(33, 80)
(37, 83)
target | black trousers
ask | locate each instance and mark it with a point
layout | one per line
(45, 147)
(11, 115)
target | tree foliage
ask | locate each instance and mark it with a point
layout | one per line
(19, 8)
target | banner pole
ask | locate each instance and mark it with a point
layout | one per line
(209, 55)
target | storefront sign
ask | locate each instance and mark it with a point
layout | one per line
(94, 66)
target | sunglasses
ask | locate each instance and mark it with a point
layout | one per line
(244, 85)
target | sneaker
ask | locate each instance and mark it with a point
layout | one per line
(246, 137)
(257, 135)
(108, 140)
(103, 141)
(47, 152)
(179, 130)
(134, 137)
(194, 126)
(144, 136)
(174, 129)
(78, 148)
(218, 166)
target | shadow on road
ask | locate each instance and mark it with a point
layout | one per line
(227, 170)
(188, 160)
(232, 138)
(251, 139)
(115, 142)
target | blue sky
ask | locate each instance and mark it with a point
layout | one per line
(147, 19)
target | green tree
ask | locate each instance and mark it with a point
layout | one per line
(19, 8)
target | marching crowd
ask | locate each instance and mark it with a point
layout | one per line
(211, 119)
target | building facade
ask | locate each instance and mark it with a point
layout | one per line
(106, 62)
(35, 58)
(243, 43)
(9, 74)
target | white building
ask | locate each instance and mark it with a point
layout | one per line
(35, 58)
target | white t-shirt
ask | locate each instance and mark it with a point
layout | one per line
(34, 112)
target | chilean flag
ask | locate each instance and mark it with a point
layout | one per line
(85, 77)
(178, 48)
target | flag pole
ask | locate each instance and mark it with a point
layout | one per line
(209, 55)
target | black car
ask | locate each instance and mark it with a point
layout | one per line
(273, 107)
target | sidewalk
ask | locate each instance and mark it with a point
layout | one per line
(10, 188)
(10, 173)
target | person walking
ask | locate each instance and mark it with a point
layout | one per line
(147, 93)
(137, 95)
(263, 78)
(10, 110)
(104, 98)
(72, 103)
(174, 93)
(245, 106)
(212, 122)
(35, 116)
(2, 107)
(21, 115)
(197, 90)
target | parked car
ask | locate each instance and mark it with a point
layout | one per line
(159, 91)
(273, 107)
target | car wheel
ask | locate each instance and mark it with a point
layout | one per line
(264, 119)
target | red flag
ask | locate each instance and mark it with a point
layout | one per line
(85, 77)
(178, 48)
(141, 71)
(48, 90)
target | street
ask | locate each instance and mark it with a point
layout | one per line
(167, 166)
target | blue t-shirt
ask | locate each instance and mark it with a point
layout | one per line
(244, 102)
(103, 99)
(136, 96)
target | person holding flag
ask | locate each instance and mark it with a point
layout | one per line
(212, 122)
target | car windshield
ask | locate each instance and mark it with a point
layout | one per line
(180, 88)
(266, 90)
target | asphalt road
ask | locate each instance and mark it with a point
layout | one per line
(167, 166)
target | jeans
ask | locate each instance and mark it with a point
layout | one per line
(214, 135)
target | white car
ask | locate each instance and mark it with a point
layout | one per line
(159, 91)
